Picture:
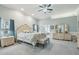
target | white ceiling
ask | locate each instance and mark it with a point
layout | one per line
(30, 9)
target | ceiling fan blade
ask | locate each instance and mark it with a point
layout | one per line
(44, 5)
(40, 10)
(49, 5)
(41, 6)
(50, 9)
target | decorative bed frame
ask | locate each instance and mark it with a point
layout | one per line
(24, 28)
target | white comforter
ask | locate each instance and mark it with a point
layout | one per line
(28, 37)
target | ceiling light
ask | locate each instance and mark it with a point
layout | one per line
(32, 14)
(22, 9)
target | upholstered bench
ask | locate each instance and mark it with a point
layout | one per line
(42, 42)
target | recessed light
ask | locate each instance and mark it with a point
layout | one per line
(32, 14)
(22, 9)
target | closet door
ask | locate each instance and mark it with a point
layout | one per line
(12, 27)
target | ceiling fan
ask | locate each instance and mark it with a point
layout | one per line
(46, 8)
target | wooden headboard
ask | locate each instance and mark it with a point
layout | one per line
(24, 28)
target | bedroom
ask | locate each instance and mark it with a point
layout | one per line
(24, 24)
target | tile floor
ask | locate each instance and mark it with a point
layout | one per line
(55, 47)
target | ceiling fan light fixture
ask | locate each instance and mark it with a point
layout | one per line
(33, 14)
(46, 8)
(22, 9)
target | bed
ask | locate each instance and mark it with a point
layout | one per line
(25, 34)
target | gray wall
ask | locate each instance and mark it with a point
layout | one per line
(71, 21)
(78, 20)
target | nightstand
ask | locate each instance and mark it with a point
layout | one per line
(7, 40)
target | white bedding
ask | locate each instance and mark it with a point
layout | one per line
(30, 37)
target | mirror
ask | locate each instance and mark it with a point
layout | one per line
(61, 28)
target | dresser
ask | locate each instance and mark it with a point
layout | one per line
(7, 41)
(78, 40)
(62, 36)
(55, 36)
(67, 36)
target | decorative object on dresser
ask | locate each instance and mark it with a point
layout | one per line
(66, 29)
